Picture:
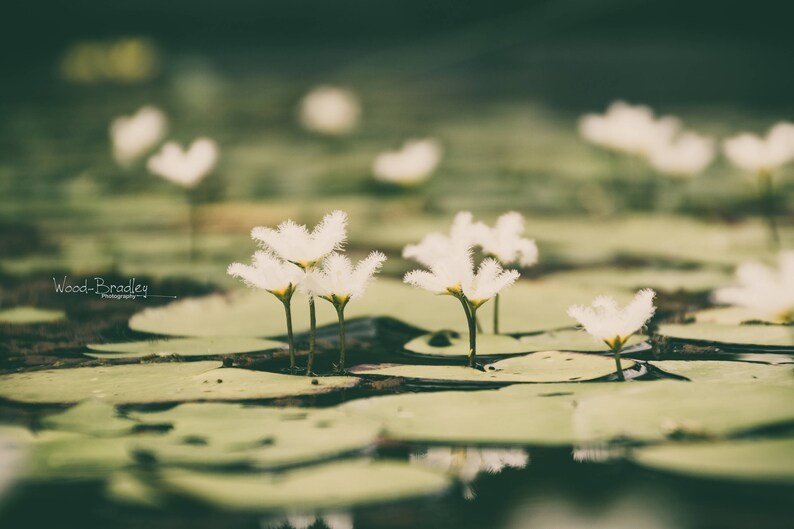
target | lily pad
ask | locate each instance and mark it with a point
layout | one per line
(658, 410)
(528, 306)
(27, 315)
(207, 434)
(335, 485)
(90, 417)
(571, 340)
(189, 347)
(660, 279)
(769, 460)
(546, 366)
(443, 344)
(726, 371)
(163, 382)
(733, 316)
(762, 336)
(72, 456)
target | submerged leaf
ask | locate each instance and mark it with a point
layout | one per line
(27, 315)
(727, 371)
(189, 347)
(761, 336)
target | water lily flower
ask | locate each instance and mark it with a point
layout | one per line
(627, 129)
(607, 322)
(761, 156)
(409, 166)
(436, 246)
(295, 244)
(688, 154)
(454, 276)
(278, 277)
(765, 290)
(132, 136)
(185, 167)
(330, 110)
(338, 281)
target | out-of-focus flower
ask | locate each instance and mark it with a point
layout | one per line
(331, 520)
(607, 322)
(330, 110)
(133, 136)
(294, 243)
(688, 154)
(185, 167)
(758, 154)
(765, 290)
(409, 166)
(505, 242)
(628, 129)
(126, 60)
(437, 246)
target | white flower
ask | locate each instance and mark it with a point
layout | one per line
(338, 280)
(330, 110)
(185, 167)
(411, 165)
(628, 129)
(294, 243)
(505, 243)
(132, 136)
(467, 463)
(437, 246)
(689, 154)
(604, 320)
(269, 273)
(489, 280)
(762, 155)
(763, 289)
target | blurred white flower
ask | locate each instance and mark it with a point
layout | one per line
(185, 167)
(605, 321)
(411, 165)
(505, 242)
(688, 154)
(762, 154)
(628, 129)
(270, 273)
(763, 289)
(338, 281)
(437, 246)
(466, 463)
(330, 520)
(330, 110)
(294, 243)
(133, 136)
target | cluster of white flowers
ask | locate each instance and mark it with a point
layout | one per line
(330, 110)
(409, 166)
(762, 289)
(296, 258)
(133, 136)
(635, 130)
(759, 155)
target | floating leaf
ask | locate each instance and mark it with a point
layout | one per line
(232, 434)
(73, 456)
(770, 460)
(733, 316)
(571, 340)
(726, 371)
(445, 344)
(90, 417)
(164, 382)
(192, 347)
(334, 485)
(661, 279)
(657, 410)
(27, 315)
(763, 336)
(546, 366)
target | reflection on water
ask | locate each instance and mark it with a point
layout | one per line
(330, 520)
(629, 513)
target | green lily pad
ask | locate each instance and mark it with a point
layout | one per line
(732, 316)
(342, 484)
(72, 456)
(660, 279)
(163, 382)
(442, 344)
(658, 410)
(763, 336)
(90, 417)
(570, 340)
(206, 434)
(726, 371)
(770, 460)
(192, 347)
(528, 306)
(546, 366)
(27, 315)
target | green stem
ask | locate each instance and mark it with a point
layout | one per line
(616, 354)
(471, 318)
(291, 339)
(312, 338)
(496, 314)
(768, 206)
(340, 312)
(191, 224)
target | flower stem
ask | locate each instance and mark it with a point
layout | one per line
(312, 338)
(616, 353)
(471, 318)
(191, 224)
(340, 312)
(496, 314)
(288, 311)
(768, 206)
